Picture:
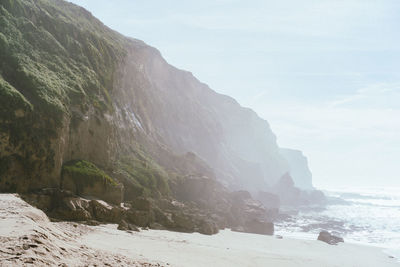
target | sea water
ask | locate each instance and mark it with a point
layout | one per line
(368, 216)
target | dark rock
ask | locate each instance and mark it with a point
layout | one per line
(92, 222)
(104, 212)
(208, 228)
(259, 227)
(256, 227)
(183, 222)
(329, 238)
(157, 226)
(123, 226)
(132, 227)
(163, 218)
(141, 203)
(72, 209)
(238, 229)
(245, 208)
(140, 218)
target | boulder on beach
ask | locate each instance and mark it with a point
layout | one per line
(329, 238)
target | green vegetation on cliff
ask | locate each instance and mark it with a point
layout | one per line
(143, 176)
(86, 173)
(56, 54)
(84, 178)
(11, 99)
(56, 61)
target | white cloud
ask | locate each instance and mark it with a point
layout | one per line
(382, 95)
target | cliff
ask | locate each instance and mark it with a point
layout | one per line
(94, 114)
(75, 84)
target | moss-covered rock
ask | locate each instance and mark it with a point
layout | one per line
(86, 179)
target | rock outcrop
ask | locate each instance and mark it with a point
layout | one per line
(85, 179)
(290, 195)
(28, 238)
(298, 168)
(329, 238)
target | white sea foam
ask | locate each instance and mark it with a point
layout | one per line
(371, 217)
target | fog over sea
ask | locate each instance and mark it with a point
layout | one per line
(368, 216)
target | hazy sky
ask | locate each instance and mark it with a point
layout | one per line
(324, 73)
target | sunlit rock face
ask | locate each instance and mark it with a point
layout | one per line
(298, 168)
(174, 107)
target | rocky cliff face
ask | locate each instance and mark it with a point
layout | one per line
(86, 109)
(298, 168)
(77, 84)
(175, 108)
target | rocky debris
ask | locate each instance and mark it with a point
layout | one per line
(245, 209)
(124, 226)
(72, 209)
(329, 238)
(29, 238)
(256, 227)
(105, 212)
(220, 209)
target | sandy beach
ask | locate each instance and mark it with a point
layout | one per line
(233, 249)
(29, 238)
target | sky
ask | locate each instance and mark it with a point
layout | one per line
(324, 73)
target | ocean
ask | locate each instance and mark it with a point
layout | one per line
(369, 216)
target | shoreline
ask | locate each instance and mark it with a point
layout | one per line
(390, 251)
(229, 248)
(29, 238)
